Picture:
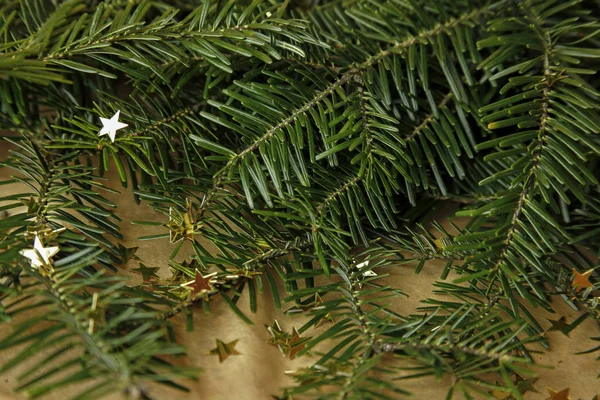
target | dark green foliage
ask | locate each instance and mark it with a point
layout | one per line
(298, 140)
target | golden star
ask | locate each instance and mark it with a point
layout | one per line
(526, 385)
(562, 395)
(147, 273)
(296, 344)
(500, 394)
(581, 281)
(224, 350)
(278, 337)
(182, 226)
(559, 325)
(201, 285)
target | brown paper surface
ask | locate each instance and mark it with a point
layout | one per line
(259, 371)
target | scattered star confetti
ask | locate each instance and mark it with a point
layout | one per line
(201, 285)
(39, 255)
(182, 226)
(312, 305)
(127, 253)
(559, 325)
(97, 314)
(581, 281)
(363, 265)
(241, 272)
(224, 350)
(365, 274)
(111, 126)
(526, 385)
(290, 344)
(278, 338)
(500, 394)
(147, 272)
(296, 344)
(562, 395)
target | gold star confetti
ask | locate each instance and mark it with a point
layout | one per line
(314, 305)
(581, 281)
(290, 344)
(559, 325)
(526, 385)
(182, 226)
(127, 253)
(241, 272)
(296, 344)
(500, 394)
(224, 350)
(201, 285)
(562, 395)
(147, 273)
(278, 337)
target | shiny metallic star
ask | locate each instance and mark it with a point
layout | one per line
(224, 350)
(365, 264)
(111, 126)
(39, 255)
(201, 285)
(581, 281)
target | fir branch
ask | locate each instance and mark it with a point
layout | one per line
(448, 348)
(428, 119)
(347, 185)
(254, 264)
(548, 78)
(220, 178)
(179, 114)
(322, 207)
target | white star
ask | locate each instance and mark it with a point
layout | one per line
(366, 264)
(39, 251)
(111, 126)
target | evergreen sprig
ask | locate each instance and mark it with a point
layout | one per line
(299, 141)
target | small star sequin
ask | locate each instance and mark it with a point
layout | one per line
(39, 255)
(111, 126)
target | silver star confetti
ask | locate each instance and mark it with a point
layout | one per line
(39, 255)
(111, 126)
(365, 264)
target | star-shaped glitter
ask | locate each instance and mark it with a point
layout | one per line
(181, 226)
(224, 350)
(581, 281)
(276, 332)
(526, 385)
(363, 264)
(111, 126)
(39, 255)
(365, 274)
(500, 394)
(201, 285)
(311, 305)
(562, 395)
(127, 253)
(559, 325)
(296, 344)
(146, 272)
(278, 338)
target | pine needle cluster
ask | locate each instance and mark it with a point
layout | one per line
(300, 140)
